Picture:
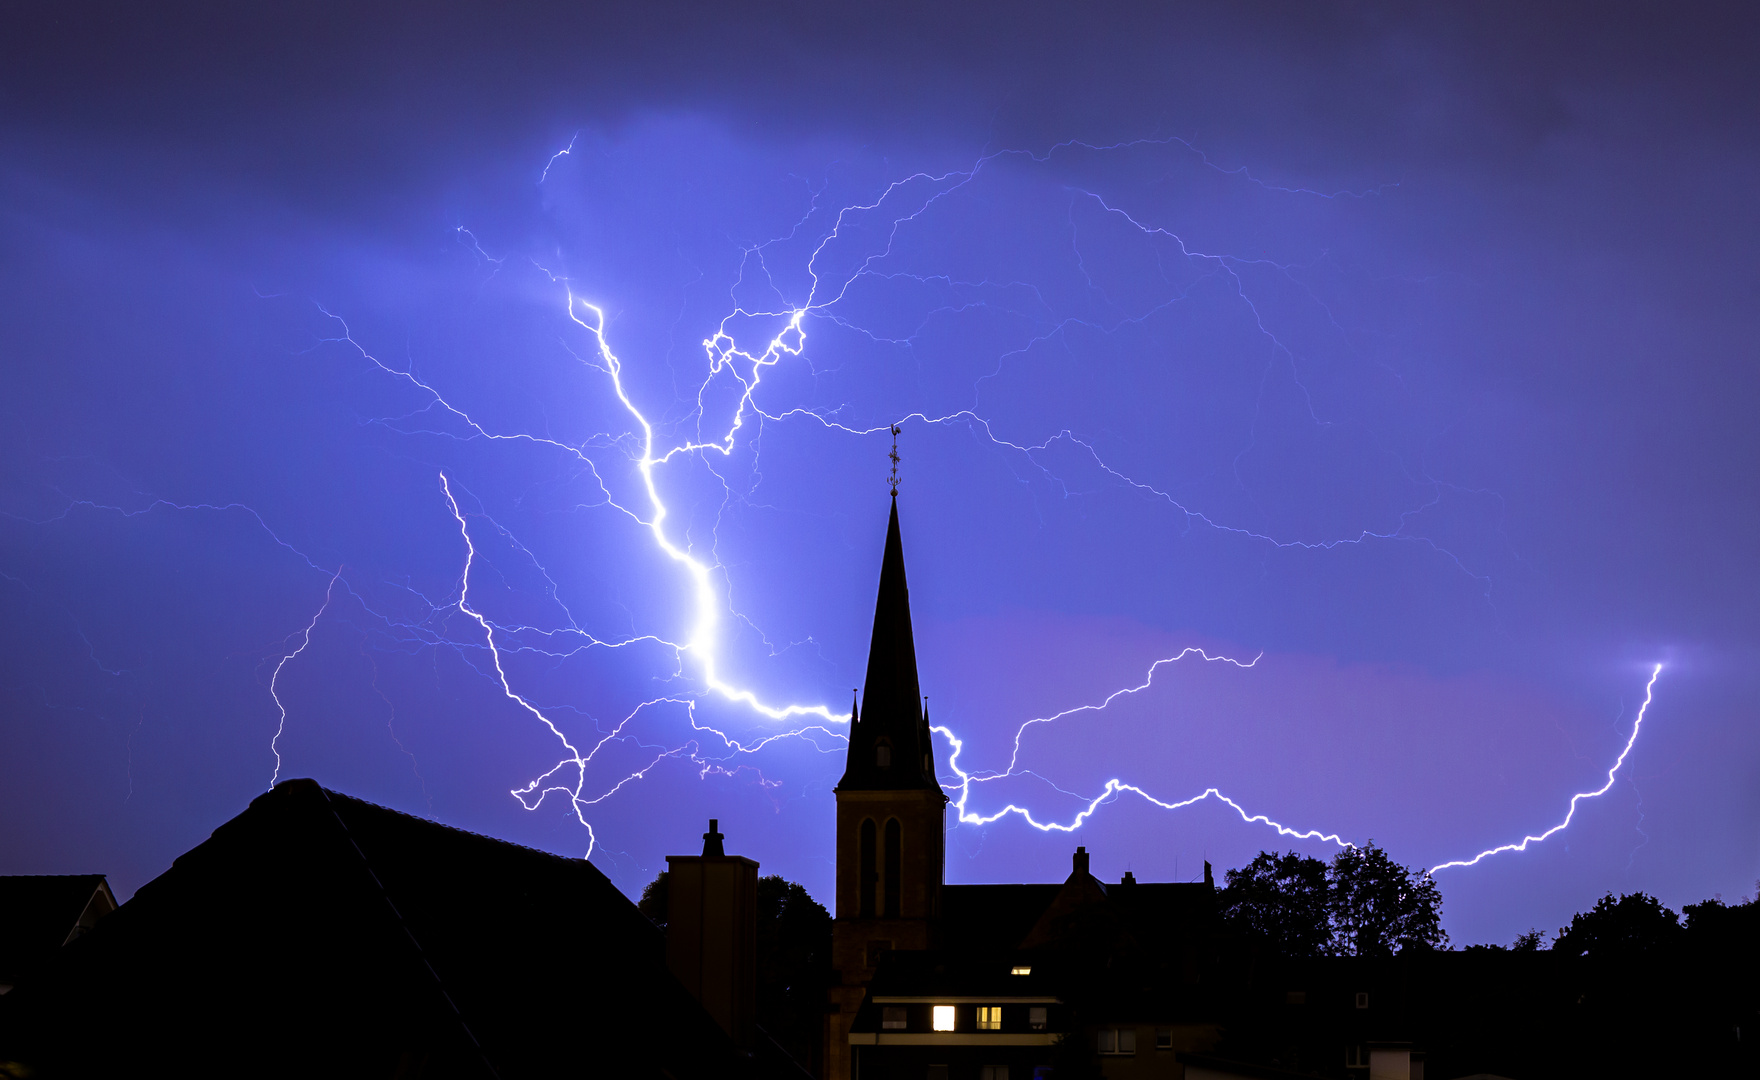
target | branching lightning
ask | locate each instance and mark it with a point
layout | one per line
(1613, 771)
(305, 639)
(897, 206)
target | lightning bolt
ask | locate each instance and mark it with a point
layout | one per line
(1613, 771)
(1113, 787)
(281, 707)
(898, 204)
(894, 209)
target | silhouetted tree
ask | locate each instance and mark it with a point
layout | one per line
(655, 899)
(1636, 924)
(1532, 941)
(1380, 907)
(794, 960)
(1363, 904)
(1725, 930)
(1280, 903)
(794, 966)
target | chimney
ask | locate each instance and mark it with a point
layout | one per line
(1081, 869)
(712, 932)
(1209, 878)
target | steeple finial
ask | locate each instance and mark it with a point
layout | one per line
(893, 479)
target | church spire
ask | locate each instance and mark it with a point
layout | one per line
(888, 746)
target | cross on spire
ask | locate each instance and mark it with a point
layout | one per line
(893, 479)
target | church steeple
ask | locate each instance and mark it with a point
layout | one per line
(891, 812)
(889, 747)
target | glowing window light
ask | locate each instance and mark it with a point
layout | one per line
(944, 1018)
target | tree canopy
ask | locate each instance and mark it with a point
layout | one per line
(794, 958)
(1361, 904)
(1634, 925)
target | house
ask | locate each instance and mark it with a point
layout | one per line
(318, 935)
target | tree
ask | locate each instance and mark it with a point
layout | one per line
(1280, 902)
(1363, 904)
(1380, 907)
(794, 966)
(656, 897)
(1636, 924)
(794, 959)
(1728, 930)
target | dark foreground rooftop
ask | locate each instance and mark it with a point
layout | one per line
(316, 934)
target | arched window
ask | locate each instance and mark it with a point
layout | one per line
(868, 877)
(894, 867)
(883, 753)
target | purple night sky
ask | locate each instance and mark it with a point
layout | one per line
(1411, 353)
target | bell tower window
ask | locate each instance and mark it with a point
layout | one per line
(868, 871)
(894, 867)
(883, 754)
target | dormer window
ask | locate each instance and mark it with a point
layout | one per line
(883, 754)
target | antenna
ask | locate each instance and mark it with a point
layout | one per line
(893, 479)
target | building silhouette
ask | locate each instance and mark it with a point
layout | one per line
(318, 935)
(978, 982)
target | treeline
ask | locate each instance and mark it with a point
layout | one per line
(1362, 903)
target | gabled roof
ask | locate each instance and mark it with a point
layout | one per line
(992, 918)
(1154, 915)
(41, 913)
(316, 934)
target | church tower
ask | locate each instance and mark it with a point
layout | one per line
(891, 812)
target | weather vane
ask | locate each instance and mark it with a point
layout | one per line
(893, 479)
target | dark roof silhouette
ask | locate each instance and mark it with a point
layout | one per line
(891, 713)
(38, 915)
(316, 934)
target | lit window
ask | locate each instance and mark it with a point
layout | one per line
(993, 1072)
(944, 1018)
(989, 1018)
(1036, 1018)
(1020, 969)
(892, 1018)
